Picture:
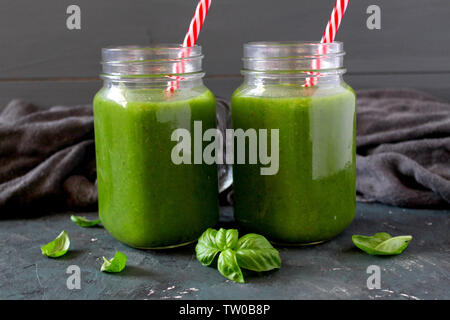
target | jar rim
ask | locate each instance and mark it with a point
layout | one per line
(154, 59)
(152, 52)
(292, 43)
(285, 56)
(291, 49)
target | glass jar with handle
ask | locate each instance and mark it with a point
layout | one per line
(298, 89)
(148, 199)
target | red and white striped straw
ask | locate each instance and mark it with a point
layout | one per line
(192, 35)
(196, 23)
(329, 34)
(335, 21)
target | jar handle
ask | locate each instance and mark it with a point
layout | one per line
(223, 116)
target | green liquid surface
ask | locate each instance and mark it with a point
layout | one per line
(312, 197)
(145, 200)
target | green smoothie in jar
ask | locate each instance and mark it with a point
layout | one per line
(312, 196)
(145, 199)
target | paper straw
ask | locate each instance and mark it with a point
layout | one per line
(191, 36)
(196, 23)
(329, 34)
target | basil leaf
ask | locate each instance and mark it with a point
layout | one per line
(394, 245)
(116, 264)
(381, 243)
(229, 267)
(57, 247)
(226, 239)
(206, 248)
(83, 222)
(254, 252)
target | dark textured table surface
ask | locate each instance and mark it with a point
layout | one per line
(333, 270)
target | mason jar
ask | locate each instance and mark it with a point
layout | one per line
(296, 91)
(147, 198)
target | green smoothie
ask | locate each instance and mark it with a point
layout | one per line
(145, 200)
(312, 197)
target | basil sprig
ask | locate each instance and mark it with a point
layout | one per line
(252, 252)
(57, 247)
(83, 222)
(381, 243)
(116, 264)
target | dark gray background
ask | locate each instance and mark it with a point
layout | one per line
(41, 60)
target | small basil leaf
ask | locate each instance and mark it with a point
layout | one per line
(229, 267)
(394, 245)
(83, 222)
(231, 236)
(254, 252)
(226, 239)
(206, 248)
(57, 247)
(370, 242)
(381, 243)
(116, 264)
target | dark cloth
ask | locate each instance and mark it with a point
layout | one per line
(47, 156)
(403, 148)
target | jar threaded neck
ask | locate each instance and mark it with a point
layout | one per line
(293, 57)
(162, 60)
